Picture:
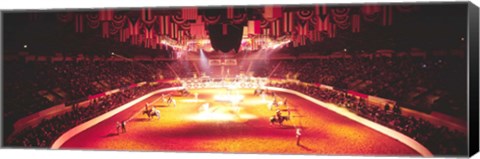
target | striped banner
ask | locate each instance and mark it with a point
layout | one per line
(133, 25)
(79, 23)
(224, 29)
(302, 29)
(323, 22)
(190, 13)
(254, 27)
(287, 22)
(230, 12)
(147, 16)
(275, 28)
(387, 16)
(332, 28)
(356, 23)
(164, 25)
(105, 15)
(272, 12)
(105, 29)
(321, 10)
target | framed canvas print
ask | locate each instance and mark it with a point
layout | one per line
(360, 79)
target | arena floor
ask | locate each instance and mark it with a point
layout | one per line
(188, 127)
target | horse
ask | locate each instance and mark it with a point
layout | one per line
(279, 120)
(151, 113)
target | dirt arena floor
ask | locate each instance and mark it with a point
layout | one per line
(189, 127)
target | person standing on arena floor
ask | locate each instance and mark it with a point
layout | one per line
(124, 124)
(298, 134)
(119, 126)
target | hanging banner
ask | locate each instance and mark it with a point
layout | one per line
(321, 10)
(105, 15)
(65, 17)
(275, 28)
(239, 18)
(147, 16)
(230, 12)
(79, 23)
(178, 19)
(189, 13)
(302, 29)
(254, 27)
(93, 21)
(105, 29)
(272, 12)
(371, 12)
(332, 28)
(305, 15)
(164, 25)
(224, 29)
(387, 16)
(356, 23)
(287, 22)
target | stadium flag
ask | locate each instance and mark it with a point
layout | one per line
(287, 22)
(105, 15)
(224, 29)
(276, 28)
(197, 29)
(79, 23)
(174, 30)
(356, 23)
(387, 16)
(147, 16)
(302, 29)
(230, 12)
(149, 32)
(272, 12)
(105, 29)
(254, 27)
(332, 28)
(134, 25)
(323, 10)
(189, 13)
(164, 24)
(266, 31)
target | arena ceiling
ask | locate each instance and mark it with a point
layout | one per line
(307, 28)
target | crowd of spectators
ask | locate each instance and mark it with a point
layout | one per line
(35, 86)
(45, 133)
(424, 84)
(438, 139)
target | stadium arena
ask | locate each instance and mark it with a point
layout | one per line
(363, 79)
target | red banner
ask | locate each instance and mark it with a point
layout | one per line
(189, 13)
(272, 12)
(254, 27)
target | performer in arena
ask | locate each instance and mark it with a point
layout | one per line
(164, 99)
(124, 124)
(119, 126)
(298, 134)
(279, 114)
(146, 106)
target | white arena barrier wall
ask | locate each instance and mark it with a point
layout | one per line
(84, 126)
(378, 127)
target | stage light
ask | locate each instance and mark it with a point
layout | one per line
(113, 53)
(25, 46)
